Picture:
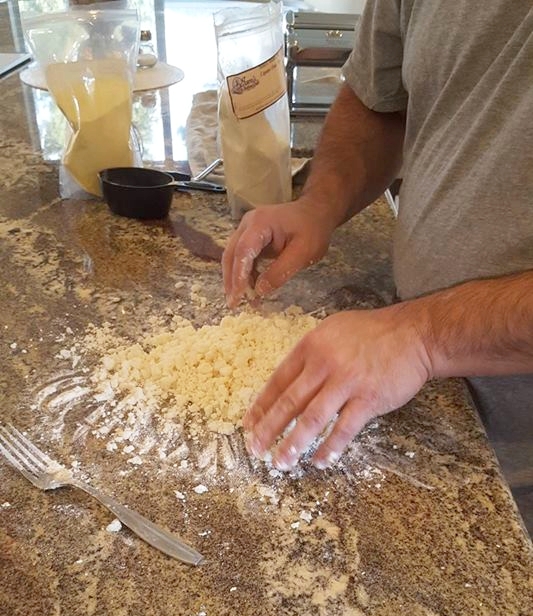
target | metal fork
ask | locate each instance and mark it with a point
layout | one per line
(47, 474)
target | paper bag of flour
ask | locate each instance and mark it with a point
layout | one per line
(253, 109)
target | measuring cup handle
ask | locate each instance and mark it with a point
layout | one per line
(207, 186)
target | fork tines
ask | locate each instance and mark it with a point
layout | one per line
(21, 452)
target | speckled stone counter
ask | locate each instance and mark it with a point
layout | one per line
(415, 520)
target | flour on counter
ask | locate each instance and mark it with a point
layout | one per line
(306, 516)
(267, 492)
(114, 527)
(200, 489)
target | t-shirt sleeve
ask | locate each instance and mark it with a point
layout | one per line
(374, 68)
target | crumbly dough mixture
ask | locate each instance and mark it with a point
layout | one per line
(211, 373)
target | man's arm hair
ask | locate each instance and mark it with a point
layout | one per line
(478, 328)
(357, 157)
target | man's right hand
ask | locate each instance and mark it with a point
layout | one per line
(294, 235)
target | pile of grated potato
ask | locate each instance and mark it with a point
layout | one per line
(212, 372)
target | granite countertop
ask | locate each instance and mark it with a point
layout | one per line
(416, 518)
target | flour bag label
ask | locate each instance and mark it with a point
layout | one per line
(254, 90)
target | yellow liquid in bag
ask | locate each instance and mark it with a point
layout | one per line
(95, 97)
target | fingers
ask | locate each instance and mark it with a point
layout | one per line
(317, 414)
(320, 411)
(280, 231)
(299, 390)
(291, 261)
(316, 397)
(352, 419)
(239, 258)
(287, 388)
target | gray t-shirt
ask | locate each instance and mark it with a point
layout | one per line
(463, 73)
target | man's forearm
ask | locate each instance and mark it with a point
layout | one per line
(357, 157)
(479, 328)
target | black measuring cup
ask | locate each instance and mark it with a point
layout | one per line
(137, 192)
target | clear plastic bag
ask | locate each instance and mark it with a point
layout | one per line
(88, 56)
(253, 110)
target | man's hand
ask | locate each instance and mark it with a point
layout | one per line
(294, 235)
(353, 367)
(360, 364)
